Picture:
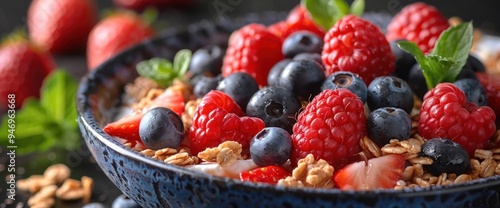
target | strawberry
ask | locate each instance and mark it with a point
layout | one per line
(254, 50)
(269, 174)
(171, 98)
(126, 128)
(420, 23)
(445, 113)
(61, 26)
(330, 127)
(376, 173)
(113, 34)
(140, 5)
(217, 119)
(23, 69)
(357, 45)
(491, 83)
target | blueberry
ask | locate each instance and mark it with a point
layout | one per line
(390, 91)
(240, 86)
(123, 201)
(205, 84)
(380, 19)
(274, 73)
(95, 205)
(404, 61)
(207, 60)
(276, 106)
(474, 91)
(311, 56)
(348, 80)
(447, 155)
(161, 128)
(303, 77)
(302, 42)
(475, 64)
(388, 123)
(271, 146)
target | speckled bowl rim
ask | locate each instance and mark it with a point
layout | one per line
(90, 122)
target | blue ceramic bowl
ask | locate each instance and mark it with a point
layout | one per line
(152, 183)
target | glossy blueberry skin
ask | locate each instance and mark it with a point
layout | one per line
(161, 128)
(205, 84)
(275, 72)
(388, 123)
(123, 201)
(404, 61)
(207, 60)
(303, 77)
(302, 42)
(474, 64)
(276, 106)
(310, 56)
(95, 205)
(271, 146)
(240, 86)
(348, 80)
(390, 91)
(447, 155)
(474, 91)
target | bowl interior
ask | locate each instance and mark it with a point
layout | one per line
(99, 99)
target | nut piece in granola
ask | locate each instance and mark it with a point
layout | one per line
(226, 154)
(310, 173)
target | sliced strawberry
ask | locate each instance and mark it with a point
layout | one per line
(377, 173)
(171, 98)
(269, 174)
(126, 128)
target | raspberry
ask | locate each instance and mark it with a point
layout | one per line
(356, 45)
(420, 23)
(491, 83)
(218, 119)
(298, 19)
(330, 127)
(445, 113)
(254, 50)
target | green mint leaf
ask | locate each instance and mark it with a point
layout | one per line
(163, 71)
(448, 56)
(181, 62)
(48, 123)
(321, 11)
(58, 97)
(358, 7)
(32, 124)
(327, 12)
(158, 69)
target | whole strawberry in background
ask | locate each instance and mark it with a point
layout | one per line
(115, 33)
(61, 26)
(23, 69)
(420, 23)
(140, 5)
(252, 49)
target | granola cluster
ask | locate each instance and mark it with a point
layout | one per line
(310, 173)
(56, 183)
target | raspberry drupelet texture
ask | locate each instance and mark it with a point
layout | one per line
(254, 50)
(330, 127)
(218, 119)
(445, 113)
(356, 45)
(420, 23)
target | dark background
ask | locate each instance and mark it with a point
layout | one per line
(485, 15)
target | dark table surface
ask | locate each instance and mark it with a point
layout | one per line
(13, 15)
